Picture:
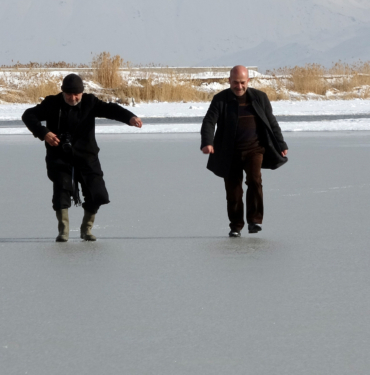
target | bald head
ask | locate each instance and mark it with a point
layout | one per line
(239, 70)
(239, 79)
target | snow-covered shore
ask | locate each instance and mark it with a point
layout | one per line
(283, 107)
(9, 112)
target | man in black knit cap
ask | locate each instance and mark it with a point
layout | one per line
(247, 138)
(72, 151)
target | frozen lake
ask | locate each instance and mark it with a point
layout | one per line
(199, 119)
(293, 116)
(164, 290)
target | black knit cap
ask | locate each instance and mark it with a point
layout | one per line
(72, 84)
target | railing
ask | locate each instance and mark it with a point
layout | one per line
(146, 69)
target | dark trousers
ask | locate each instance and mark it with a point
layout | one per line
(62, 197)
(250, 162)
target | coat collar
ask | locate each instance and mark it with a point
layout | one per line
(232, 97)
(250, 94)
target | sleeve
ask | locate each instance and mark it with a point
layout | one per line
(274, 124)
(32, 118)
(209, 123)
(112, 111)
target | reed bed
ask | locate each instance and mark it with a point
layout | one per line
(27, 86)
(106, 80)
(346, 80)
(106, 70)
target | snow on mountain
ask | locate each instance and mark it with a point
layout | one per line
(266, 33)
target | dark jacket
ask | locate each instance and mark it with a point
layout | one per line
(79, 121)
(224, 111)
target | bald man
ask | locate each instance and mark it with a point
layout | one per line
(247, 138)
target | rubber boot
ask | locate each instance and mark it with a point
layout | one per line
(63, 225)
(86, 226)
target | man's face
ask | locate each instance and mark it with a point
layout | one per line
(239, 82)
(72, 99)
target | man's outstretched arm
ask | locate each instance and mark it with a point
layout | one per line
(114, 111)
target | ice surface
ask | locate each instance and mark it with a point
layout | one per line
(164, 290)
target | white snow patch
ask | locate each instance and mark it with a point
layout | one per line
(213, 87)
(195, 109)
(10, 112)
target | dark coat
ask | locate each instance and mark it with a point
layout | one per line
(79, 121)
(224, 111)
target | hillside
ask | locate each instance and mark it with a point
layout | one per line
(266, 33)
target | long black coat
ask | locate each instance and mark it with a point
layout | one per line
(224, 111)
(80, 122)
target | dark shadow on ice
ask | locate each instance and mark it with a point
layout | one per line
(33, 240)
(15, 240)
(49, 239)
(218, 243)
(161, 238)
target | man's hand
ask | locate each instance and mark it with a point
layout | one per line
(208, 150)
(51, 139)
(284, 153)
(136, 121)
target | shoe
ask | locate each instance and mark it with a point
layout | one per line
(86, 226)
(254, 228)
(234, 233)
(63, 225)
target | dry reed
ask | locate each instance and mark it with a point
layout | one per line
(171, 90)
(342, 80)
(165, 85)
(345, 80)
(34, 92)
(106, 70)
(28, 87)
(32, 65)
